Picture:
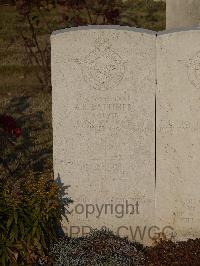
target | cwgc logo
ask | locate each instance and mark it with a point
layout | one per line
(102, 68)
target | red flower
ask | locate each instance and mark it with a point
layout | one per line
(9, 124)
(17, 131)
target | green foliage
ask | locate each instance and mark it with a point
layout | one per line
(30, 211)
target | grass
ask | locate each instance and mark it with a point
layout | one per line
(16, 69)
(7, 22)
(22, 96)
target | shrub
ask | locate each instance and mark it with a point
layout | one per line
(30, 211)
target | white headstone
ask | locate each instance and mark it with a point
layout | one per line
(178, 133)
(104, 127)
(182, 13)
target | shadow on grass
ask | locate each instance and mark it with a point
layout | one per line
(33, 150)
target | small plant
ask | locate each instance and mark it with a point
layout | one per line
(30, 211)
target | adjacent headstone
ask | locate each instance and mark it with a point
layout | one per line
(104, 82)
(182, 13)
(178, 133)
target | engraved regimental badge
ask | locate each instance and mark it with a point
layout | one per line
(103, 68)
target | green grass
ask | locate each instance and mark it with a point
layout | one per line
(16, 69)
(7, 22)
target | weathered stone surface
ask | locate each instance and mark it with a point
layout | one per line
(104, 126)
(178, 132)
(182, 13)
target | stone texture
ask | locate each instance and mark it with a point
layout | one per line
(178, 133)
(104, 125)
(182, 13)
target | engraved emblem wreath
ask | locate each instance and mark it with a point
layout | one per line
(103, 68)
(193, 66)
